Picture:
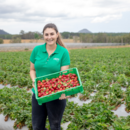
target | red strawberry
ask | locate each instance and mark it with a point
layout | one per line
(74, 75)
(49, 92)
(60, 89)
(43, 81)
(56, 79)
(68, 86)
(47, 89)
(52, 89)
(39, 87)
(42, 86)
(54, 86)
(39, 95)
(60, 77)
(39, 90)
(75, 82)
(42, 89)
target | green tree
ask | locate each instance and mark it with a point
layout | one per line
(65, 35)
(36, 36)
(15, 39)
(1, 41)
(22, 32)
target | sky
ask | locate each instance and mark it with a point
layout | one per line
(68, 15)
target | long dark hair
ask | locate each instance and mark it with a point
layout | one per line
(51, 25)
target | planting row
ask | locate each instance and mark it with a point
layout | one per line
(104, 71)
(15, 103)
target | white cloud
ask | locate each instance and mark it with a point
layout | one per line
(106, 18)
(43, 11)
(59, 8)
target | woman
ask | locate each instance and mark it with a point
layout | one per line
(45, 59)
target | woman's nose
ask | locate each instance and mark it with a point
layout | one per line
(49, 36)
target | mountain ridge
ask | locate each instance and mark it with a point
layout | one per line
(2, 32)
(84, 31)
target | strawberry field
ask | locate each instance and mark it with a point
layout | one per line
(105, 75)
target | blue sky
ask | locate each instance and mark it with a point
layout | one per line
(68, 15)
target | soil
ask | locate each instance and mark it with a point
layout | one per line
(126, 46)
(127, 110)
(117, 107)
(101, 47)
(6, 117)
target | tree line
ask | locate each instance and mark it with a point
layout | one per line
(77, 37)
(98, 37)
(22, 35)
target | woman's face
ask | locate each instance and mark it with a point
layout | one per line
(50, 36)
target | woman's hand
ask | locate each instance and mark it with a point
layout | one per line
(63, 97)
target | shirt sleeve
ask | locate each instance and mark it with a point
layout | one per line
(65, 58)
(32, 57)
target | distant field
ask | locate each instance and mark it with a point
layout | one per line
(7, 41)
(14, 49)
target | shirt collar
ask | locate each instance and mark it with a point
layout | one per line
(56, 50)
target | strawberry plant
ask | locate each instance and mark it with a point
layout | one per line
(128, 81)
(94, 116)
(16, 104)
(84, 96)
(127, 99)
(98, 98)
(69, 111)
(121, 123)
(2, 75)
(127, 73)
(112, 100)
(103, 92)
(89, 85)
(103, 85)
(122, 80)
(84, 75)
(116, 90)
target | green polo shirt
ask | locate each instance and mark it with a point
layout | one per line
(44, 64)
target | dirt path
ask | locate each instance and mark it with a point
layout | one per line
(126, 46)
(21, 49)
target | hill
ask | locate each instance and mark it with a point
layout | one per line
(84, 31)
(2, 32)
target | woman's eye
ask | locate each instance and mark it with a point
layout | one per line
(49, 34)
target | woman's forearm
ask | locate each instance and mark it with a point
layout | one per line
(33, 75)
